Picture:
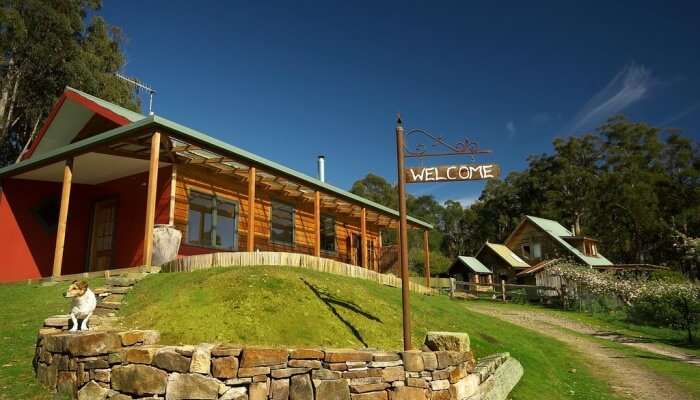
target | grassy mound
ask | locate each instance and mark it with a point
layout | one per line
(295, 307)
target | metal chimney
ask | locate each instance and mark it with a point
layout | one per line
(321, 168)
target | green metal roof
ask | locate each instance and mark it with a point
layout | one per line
(474, 264)
(196, 136)
(507, 255)
(119, 110)
(557, 232)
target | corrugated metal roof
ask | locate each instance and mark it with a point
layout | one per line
(507, 255)
(474, 264)
(557, 231)
(215, 144)
(124, 112)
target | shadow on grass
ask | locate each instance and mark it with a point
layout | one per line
(332, 301)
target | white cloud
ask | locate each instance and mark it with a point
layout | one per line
(627, 87)
(510, 127)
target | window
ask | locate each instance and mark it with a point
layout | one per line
(525, 248)
(536, 250)
(46, 213)
(328, 233)
(212, 221)
(282, 224)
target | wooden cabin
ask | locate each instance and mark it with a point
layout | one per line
(538, 239)
(90, 188)
(502, 261)
(469, 269)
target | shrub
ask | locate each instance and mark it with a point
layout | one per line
(663, 300)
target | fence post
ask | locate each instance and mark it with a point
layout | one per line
(453, 287)
(503, 289)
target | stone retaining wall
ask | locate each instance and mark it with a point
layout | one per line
(123, 365)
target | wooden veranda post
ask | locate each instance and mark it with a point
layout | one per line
(403, 238)
(62, 218)
(251, 209)
(426, 250)
(151, 198)
(363, 240)
(317, 224)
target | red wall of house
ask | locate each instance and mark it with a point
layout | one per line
(27, 247)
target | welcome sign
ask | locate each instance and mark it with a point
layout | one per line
(450, 173)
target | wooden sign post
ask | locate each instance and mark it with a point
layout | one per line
(444, 173)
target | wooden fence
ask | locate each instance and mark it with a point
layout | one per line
(269, 258)
(504, 291)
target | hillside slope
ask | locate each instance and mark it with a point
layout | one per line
(289, 306)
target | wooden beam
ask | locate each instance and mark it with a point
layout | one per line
(317, 223)
(62, 218)
(173, 190)
(185, 148)
(251, 209)
(426, 249)
(363, 232)
(151, 198)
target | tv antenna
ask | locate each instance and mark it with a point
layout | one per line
(140, 86)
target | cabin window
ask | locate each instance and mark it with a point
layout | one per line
(46, 213)
(328, 233)
(525, 248)
(282, 224)
(536, 250)
(212, 221)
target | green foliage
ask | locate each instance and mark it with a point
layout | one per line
(46, 46)
(665, 300)
(439, 263)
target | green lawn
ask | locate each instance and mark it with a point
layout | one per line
(24, 308)
(295, 307)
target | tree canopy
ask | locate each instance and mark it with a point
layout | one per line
(46, 46)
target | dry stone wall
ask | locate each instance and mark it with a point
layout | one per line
(123, 365)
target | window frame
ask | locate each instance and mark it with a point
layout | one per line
(294, 227)
(215, 197)
(335, 234)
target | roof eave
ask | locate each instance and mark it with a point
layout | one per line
(187, 133)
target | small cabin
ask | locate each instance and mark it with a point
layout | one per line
(469, 269)
(504, 263)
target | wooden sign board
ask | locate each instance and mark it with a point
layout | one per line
(450, 173)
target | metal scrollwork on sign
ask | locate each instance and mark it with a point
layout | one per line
(463, 147)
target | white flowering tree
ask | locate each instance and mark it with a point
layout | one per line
(660, 302)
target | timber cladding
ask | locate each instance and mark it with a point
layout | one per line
(347, 228)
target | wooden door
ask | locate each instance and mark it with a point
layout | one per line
(102, 238)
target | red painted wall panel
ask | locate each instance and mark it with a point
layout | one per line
(27, 247)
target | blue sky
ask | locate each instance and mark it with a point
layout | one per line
(292, 80)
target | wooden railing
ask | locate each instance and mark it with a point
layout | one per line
(270, 258)
(505, 291)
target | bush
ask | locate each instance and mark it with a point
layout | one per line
(439, 263)
(663, 300)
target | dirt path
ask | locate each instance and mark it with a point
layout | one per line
(626, 377)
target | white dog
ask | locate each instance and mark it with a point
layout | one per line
(84, 303)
